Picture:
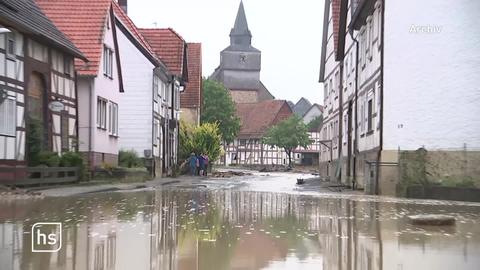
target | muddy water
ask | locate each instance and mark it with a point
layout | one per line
(227, 229)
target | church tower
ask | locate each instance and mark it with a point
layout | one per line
(240, 64)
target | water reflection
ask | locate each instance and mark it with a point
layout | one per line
(236, 230)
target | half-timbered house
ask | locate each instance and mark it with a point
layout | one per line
(38, 95)
(172, 50)
(256, 118)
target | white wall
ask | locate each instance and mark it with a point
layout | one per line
(432, 92)
(136, 105)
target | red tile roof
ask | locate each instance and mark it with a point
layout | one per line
(191, 97)
(119, 13)
(168, 45)
(83, 23)
(256, 118)
(336, 21)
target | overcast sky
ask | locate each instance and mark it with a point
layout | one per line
(287, 32)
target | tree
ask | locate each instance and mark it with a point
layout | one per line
(218, 107)
(205, 139)
(288, 135)
(316, 123)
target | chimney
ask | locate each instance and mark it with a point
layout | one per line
(123, 5)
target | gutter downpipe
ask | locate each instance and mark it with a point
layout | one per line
(380, 149)
(340, 124)
(90, 126)
(355, 145)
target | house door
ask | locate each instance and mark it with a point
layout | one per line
(37, 129)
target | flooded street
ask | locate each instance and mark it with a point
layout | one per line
(238, 228)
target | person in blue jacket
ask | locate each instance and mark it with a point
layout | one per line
(193, 163)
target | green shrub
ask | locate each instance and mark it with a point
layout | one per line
(129, 159)
(47, 158)
(71, 159)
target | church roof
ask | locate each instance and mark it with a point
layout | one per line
(241, 25)
(240, 35)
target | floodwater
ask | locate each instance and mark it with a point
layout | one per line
(235, 229)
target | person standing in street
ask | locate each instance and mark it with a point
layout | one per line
(205, 164)
(201, 162)
(193, 163)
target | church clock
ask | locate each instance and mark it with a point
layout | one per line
(243, 58)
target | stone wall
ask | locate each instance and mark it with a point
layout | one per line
(247, 96)
(454, 168)
(190, 116)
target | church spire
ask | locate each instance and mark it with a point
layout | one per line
(240, 34)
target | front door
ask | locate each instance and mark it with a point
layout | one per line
(37, 131)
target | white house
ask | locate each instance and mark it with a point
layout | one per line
(100, 81)
(410, 86)
(310, 154)
(151, 91)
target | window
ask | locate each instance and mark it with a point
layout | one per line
(177, 98)
(108, 62)
(369, 37)
(11, 45)
(7, 116)
(156, 92)
(101, 113)
(363, 42)
(242, 142)
(155, 132)
(362, 115)
(370, 116)
(345, 128)
(67, 65)
(113, 125)
(164, 91)
(347, 70)
(325, 91)
(378, 22)
(337, 84)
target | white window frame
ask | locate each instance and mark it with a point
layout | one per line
(156, 92)
(113, 118)
(369, 37)
(107, 61)
(101, 113)
(8, 116)
(378, 22)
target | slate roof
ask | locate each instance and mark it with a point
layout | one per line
(302, 106)
(27, 17)
(168, 45)
(191, 97)
(256, 118)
